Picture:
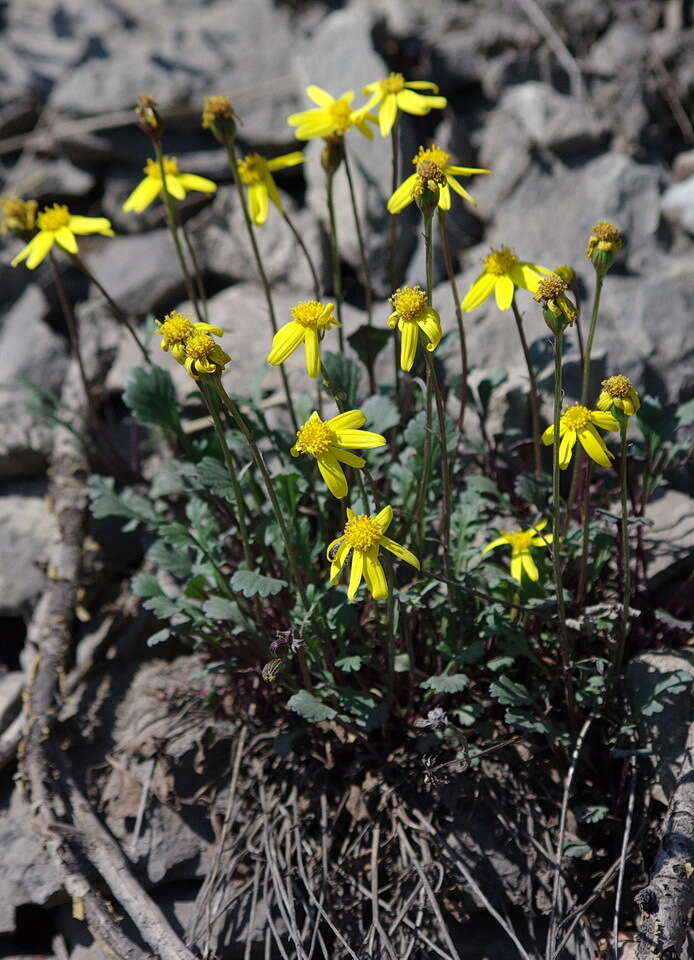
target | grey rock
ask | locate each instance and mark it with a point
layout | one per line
(30, 349)
(140, 272)
(547, 211)
(677, 204)
(666, 730)
(683, 165)
(670, 539)
(11, 685)
(552, 120)
(26, 528)
(28, 874)
(53, 180)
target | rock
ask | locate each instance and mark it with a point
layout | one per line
(56, 181)
(683, 165)
(140, 272)
(27, 526)
(181, 59)
(551, 120)
(11, 684)
(665, 730)
(224, 248)
(28, 874)
(670, 539)
(28, 348)
(547, 210)
(677, 204)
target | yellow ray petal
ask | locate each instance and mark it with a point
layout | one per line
(604, 420)
(499, 542)
(479, 291)
(387, 114)
(346, 456)
(383, 518)
(415, 103)
(319, 96)
(375, 576)
(144, 193)
(359, 439)
(409, 335)
(312, 352)
(504, 292)
(517, 568)
(287, 160)
(338, 562)
(258, 202)
(191, 181)
(285, 342)
(85, 225)
(175, 187)
(349, 420)
(401, 552)
(334, 477)
(461, 191)
(530, 566)
(594, 446)
(445, 196)
(355, 574)
(566, 448)
(403, 195)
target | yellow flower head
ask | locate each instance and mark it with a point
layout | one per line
(579, 423)
(605, 240)
(433, 172)
(310, 320)
(412, 313)
(177, 185)
(619, 391)
(148, 115)
(364, 535)
(17, 216)
(520, 542)
(203, 355)
(217, 112)
(330, 116)
(255, 172)
(176, 329)
(502, 273)
(394, 93)
(57, 225)
(330, 441)
(558, 310)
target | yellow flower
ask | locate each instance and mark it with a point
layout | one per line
(432, 171)
(331, 116)
(177, 184)
(364, 534)
(57, 225)
(310, 320)
(203, 354)
(502, 273)
(520, 542)
(216, 110)
(176, 329)
(256, 173)
(412, 313)
(395, 93)
(18, 216)
(619, 391)
(559, 312)
(578, 423)
(329, 441)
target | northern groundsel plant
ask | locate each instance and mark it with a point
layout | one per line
(255, 173)
(363, 536)
(330, 117)
(330, 443)
(578, 423)
(393, 93)
(57, 226)
(521, 541)
(310, 321)
(178, 184)
(176, 330)
(619, 392)
(503, 273)
(416, 321)
(433, 172)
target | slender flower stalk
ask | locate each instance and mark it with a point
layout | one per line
(304, 249)
(366, 273)
(445, 467)
(171, 219)
(73, 332)
(458, 317)
(335, 257)
(393, 234)
(197, 271)
(626, 561)
(534, 395)
(420, 504)
(118, 311)
(227, 138)
(239, 420)
(212, 403)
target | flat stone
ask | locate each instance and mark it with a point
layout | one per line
(677, 204)
(27, 526)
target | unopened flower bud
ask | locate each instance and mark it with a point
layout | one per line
(219, 116)
(605, 240)
(559, 312)
(148, 116)
(332, 154)
(17, 216)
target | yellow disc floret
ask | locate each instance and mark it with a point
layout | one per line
(252, 169)
(315, 437)
(500, 261)
(521, 540)
(618, 387)
(313, 315)
(409, 303)
(433, 154)
(362, 532)
(53, 218)
(619, 391)
(576, 417)
(174, 330)
(17, 215)
(393, 83)
(216, 109)
(341, 115)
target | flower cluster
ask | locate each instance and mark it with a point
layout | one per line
(310, 320)
(178, 184)
(57, 225)
(192, 344)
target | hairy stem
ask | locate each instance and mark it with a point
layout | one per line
(307, 255)
(171, 219)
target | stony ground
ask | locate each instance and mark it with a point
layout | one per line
(582, 111)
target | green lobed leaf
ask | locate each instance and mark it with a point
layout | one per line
(446, 683)
(253, 584)
(367, 342)
(310, 707)
(220, 608)
(380, 412)
(510, 693)
(345, 374)
(151, 396)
